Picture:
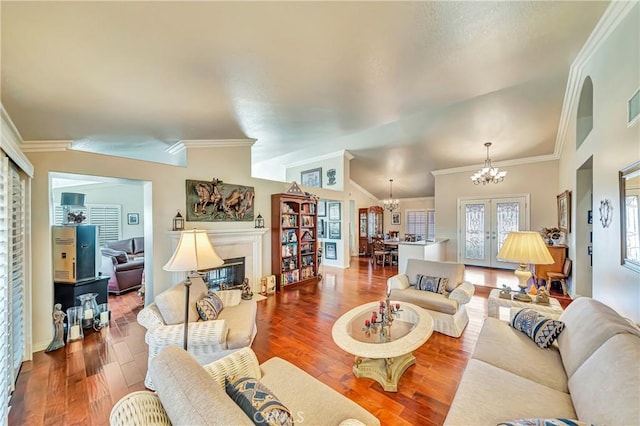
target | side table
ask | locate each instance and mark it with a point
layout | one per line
(494, 302)
(66, 293)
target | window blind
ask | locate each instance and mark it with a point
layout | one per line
(5, 363)
(17, 271)
(422, 224)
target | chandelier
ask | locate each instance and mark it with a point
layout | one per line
(488, 174)
(390, 204)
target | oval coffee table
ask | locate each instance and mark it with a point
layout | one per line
(375, 358)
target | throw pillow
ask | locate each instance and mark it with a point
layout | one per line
(544, 422)
(542, 330)
(258, 402)
(433, 284)
(209, 307)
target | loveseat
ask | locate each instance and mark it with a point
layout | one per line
(190, 394)
(447, 308)
(124, 272)
(590, 373)
(234, 328)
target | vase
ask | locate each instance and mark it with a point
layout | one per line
(90, 308)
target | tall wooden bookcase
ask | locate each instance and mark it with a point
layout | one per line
(294, 239)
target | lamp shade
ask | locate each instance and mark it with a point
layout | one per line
(525, 247)
(194, 253)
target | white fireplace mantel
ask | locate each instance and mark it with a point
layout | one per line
(232, 243)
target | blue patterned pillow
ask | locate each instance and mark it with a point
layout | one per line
(433, 284)
(209, 307)
(544, 422)
(542, 330)
(258, 402)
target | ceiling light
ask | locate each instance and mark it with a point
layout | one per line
(488, 174)
(390, 204)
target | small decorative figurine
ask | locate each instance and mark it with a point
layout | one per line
(543, 296)
(247, 294)
(505, 293)
(58, 328)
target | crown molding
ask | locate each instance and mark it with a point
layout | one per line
(506, 163)
(46, 146)
(341, 153)
(615, 13)
(11, 142)
(216, 143)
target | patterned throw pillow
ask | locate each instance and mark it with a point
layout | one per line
(433, 284)
(209, 307)
(258, 402)
(542, 330)
(544, 422)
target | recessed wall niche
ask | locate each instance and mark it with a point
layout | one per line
(584, 119)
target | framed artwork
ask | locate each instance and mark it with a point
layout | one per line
(312, 177)
(395, 218)
(590, 217)
(321, 228)
(330, 251)
(334, 230)
(564, 211)
(133, 218)
(216, 201)
(334, 211)
(322, 208)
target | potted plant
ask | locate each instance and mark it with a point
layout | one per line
(552, 235)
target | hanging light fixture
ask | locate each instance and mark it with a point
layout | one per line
(390, 204)
(488, 174)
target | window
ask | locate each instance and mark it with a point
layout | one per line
(108, 217)
(422, 224)
(5, 363)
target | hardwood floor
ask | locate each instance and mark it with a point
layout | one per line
(80, 383)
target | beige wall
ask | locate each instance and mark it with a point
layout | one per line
(614, 68)
(407, 204)
(540, 180)
(164, 192)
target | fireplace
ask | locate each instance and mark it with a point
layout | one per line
(228, 276)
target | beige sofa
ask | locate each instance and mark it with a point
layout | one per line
(235, 327)
(591, 373)
(189, 394)
(448, 310)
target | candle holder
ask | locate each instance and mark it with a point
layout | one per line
(103, 318)
(382, 319)
(89, 309)
(74, 318)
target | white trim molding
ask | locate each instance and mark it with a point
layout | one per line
(11, 143)
(46, 146)
(341, 153)
(217, 143)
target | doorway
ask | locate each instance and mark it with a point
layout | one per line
(483, 225)
(582, 280)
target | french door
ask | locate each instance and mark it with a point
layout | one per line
(484, 224)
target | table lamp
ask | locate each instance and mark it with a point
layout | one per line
(194, 253)
(524, 247)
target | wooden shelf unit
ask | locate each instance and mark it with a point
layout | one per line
(294, 239)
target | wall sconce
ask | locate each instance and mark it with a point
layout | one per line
(178, 222)
(259, 221)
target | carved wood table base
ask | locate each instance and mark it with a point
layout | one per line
(386, 371)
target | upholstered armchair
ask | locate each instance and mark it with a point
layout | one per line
(233, 329)
(448, 307)
(124, 273)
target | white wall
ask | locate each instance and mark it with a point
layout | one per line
(130, 198)
(614, 67)
(427, 203)
(294, 173)
(540, 180)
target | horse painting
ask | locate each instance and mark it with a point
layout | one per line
(215, 201)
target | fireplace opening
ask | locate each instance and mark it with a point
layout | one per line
(228, 276)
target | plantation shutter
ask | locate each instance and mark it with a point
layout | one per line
(431, 225)
(108, 218)
(17, 271)
(5, 362)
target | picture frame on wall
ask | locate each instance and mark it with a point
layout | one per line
(321, 228)
(334, 230)
(322, 208)
(133, 218)
(395, 218)
(330, 250)
(564, 211)
(334, 211)
(312, 177)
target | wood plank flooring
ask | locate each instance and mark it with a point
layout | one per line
(78, 384)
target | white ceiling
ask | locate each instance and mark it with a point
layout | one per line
(406, 87)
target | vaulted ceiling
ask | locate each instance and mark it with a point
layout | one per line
(406, 87)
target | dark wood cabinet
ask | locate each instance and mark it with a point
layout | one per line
(66, 293)
(370, 222)
(559, 254)
(294, 239)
